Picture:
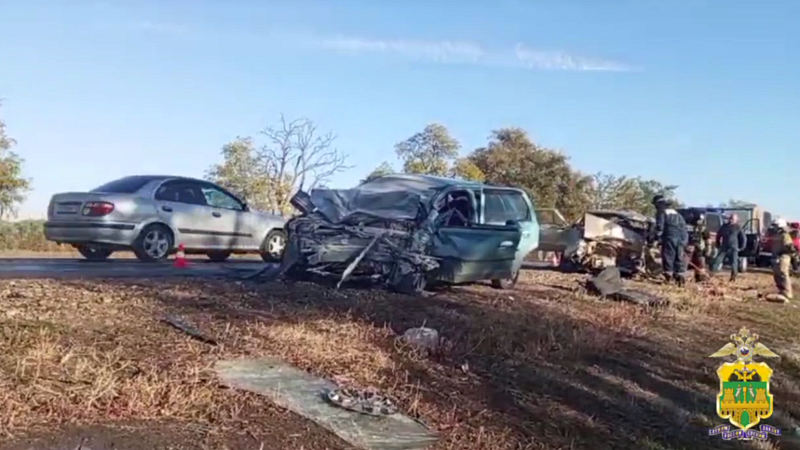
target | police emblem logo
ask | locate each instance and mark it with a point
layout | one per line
(744, 398)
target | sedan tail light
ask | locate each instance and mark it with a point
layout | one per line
(97, 209)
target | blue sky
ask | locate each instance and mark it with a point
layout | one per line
(700, 93)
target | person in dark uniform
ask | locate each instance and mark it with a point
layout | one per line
(673, 234)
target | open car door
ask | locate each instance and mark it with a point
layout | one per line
(475, 252)
(554, 230)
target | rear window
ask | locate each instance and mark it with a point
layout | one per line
(127, 185)
(502, 206)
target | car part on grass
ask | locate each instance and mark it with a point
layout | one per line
(609, 284)
(179, 324)
(422, 338)
(606, 238)
(299, 391)
(362, 401)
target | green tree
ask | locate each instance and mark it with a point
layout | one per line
(429, 152)
(512, 159)
(628, 193)
(384, 169)
(651, 188)
(241, 173)
(466, 169)
(14, 187)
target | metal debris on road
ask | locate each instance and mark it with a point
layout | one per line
(193, 332)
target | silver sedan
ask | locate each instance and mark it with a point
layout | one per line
(153, 215)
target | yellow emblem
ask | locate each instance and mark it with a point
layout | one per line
(744, 398)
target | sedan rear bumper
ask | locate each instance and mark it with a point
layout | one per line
(111, 233)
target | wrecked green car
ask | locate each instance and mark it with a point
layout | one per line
(409, 231)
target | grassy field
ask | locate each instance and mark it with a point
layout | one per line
(27, 235)
(543, 367)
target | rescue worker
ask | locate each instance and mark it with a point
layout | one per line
(700, 241)
(783, 251)
(671, 231)
(730, 241)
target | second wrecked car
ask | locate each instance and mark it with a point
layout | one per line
(410, 230)
(600, 239)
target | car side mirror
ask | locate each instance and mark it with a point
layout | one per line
(245, 207)
(512, 223)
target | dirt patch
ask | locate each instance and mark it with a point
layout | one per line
(542, 367)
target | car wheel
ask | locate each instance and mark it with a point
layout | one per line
(93, 253)
(273, 246)
(153, 244)
(218, 256)
(507, 283)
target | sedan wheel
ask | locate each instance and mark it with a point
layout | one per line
(153, 244)
(93, 253)
(273, 246)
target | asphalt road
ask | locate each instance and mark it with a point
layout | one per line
(119, 268)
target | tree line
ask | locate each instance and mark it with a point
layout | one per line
(294, 156)
(269, 168)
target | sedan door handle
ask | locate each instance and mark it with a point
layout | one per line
(525, 234)
(167, 208)
(505, 244)
(216, 214)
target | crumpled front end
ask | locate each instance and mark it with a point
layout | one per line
(610, 238)
(358, 246)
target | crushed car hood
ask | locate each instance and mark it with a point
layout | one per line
(395, 198)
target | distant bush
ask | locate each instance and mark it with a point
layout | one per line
(27, 235)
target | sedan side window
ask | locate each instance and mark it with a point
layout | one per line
(180, 193)
(218, 199)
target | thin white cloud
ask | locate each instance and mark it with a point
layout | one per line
(441, 52)
(454, 52)
(557, 60)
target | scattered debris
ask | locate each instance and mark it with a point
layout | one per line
(776, 298)
(179, 324)
(362, 401)
(299, 391)
(609, 284)
(422, 338)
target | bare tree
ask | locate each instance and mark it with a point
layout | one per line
(296, 157)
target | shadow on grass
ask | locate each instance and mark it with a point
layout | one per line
(518, 367)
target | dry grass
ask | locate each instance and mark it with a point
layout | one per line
(542, 367)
